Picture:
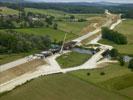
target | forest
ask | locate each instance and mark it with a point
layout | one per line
(114, 36)
(13, 42)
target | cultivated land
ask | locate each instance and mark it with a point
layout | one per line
(60, 87)
(128, 92)
(116, 78)
(125, 28)
(72, 59)
(72, 27)
(5, 10)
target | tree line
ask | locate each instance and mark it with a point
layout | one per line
(114, 36)
(13, 42)
(125, 9)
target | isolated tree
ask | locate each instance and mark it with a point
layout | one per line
(114, 36)
(130, 64)
(55, 26)
(72, 17)
(114, 53)
(121, 60)
(49, 20)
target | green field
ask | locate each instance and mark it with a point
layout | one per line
(72, 27)
(5, 10)
(119, 83)
(54, 34)
(116, 78)
(72, 59)
(125, 28)
(123, 49)
(128, 92)
(60, 87)
(111, 71)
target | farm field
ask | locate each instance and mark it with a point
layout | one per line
(127, 91)
(115, 78)
(60, 87)
(5, 10)
(111, 71)
(72, 59)
(53, 34)
(125, 28)
(73, 27)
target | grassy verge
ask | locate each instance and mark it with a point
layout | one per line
(72, 59)
(6, 58)
(90, 38)
(20, 70)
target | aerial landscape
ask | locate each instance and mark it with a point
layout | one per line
(66, 49)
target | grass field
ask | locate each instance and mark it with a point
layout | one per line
(128, 92)
(72, 59)
(125, 28)
(60, 87)
(72, 27)
(54, 34)
(119, 83)
(116, 78)
(123, 49)
(111, 71)
(5, 10)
